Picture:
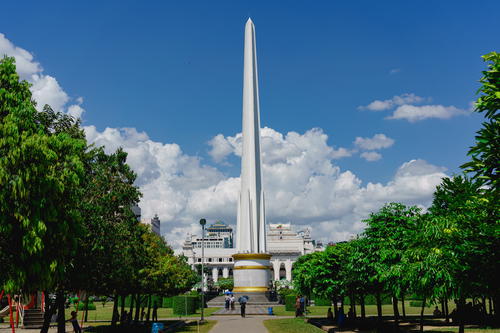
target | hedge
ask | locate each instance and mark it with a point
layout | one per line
(418, 304)
(81, 306)
(144, 301)
(290, 302)
(322, 302)
(184, 305)
(370, 300)
(167, 302)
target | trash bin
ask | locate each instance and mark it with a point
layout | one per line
(270, 311)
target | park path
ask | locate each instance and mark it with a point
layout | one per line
(237, 324)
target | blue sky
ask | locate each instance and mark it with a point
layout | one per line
(174, 70)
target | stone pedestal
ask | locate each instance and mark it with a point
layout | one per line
(251, 272)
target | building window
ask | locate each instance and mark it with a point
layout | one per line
(220, 259)
(199, 259)
(209, 259)
(230, 259)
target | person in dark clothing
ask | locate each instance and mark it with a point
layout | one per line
(243, 304)
(155, 312)
(298, 307)
(74, 322)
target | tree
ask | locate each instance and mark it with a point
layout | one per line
(40, 177)
(453, 255)
(485, 153)
(388, 231)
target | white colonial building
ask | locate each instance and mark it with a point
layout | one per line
(283, 243)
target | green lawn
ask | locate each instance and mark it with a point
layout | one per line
(104, 313)
(193, 326)
(290, 325)
(371, 310)
(467, 330)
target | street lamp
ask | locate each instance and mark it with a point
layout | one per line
(202, 223)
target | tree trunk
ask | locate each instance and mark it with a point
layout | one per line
(442, 307)
(353, 306)
(460, 314)
(422, 316)
(137, 307)
(131, 309)
(122, 300)
(342, 304)
(395, 311)
(490, 306)
(403, 306)
(447, 312)
(50, 309)
(149, 309)
(86, 308)
(379, 305)
(336, 309)
(61, 320)
(362, 303)
(483, 300)
(114, 316)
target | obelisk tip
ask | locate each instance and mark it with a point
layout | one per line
(249, 21)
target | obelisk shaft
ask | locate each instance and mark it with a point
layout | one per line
(251, 233)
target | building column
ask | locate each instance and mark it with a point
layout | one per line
(288, 269)
(225, 272)
(276, 267)
(215, 274)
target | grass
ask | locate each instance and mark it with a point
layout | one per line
(103, 313)
(467, 330)
(290, 325)
(371, 310)
(193, 326)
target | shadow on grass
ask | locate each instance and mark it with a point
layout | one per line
(132, 328)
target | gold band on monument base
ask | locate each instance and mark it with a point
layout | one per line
(239, 256)
(249, 289)
(251, 267)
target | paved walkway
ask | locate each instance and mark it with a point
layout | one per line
(236, 324)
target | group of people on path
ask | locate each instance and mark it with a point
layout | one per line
(300, 306)
(229, 301)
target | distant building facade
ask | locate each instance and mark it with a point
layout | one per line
(283, 243)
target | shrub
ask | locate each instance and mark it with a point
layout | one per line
(290, 302)
(322, 302)
(418, 304)
(167, 302)
(81, 306)
(370, 300)
(184, 305)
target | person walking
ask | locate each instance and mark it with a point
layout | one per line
(74, 322)
(243, 305)
(297, 306)
(155, 312)
(231, 301)
(227, 299)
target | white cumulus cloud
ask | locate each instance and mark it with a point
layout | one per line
(378, 141)
(45, 88)
(301, 181)
(381, 105)
(414, 113)
(371, 156)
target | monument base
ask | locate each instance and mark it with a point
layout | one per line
(251, 272)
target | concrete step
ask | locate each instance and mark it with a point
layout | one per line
(250, 310)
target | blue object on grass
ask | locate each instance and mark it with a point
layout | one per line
(157, 327)
(270, 311)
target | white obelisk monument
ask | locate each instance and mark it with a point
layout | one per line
(251, 263)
